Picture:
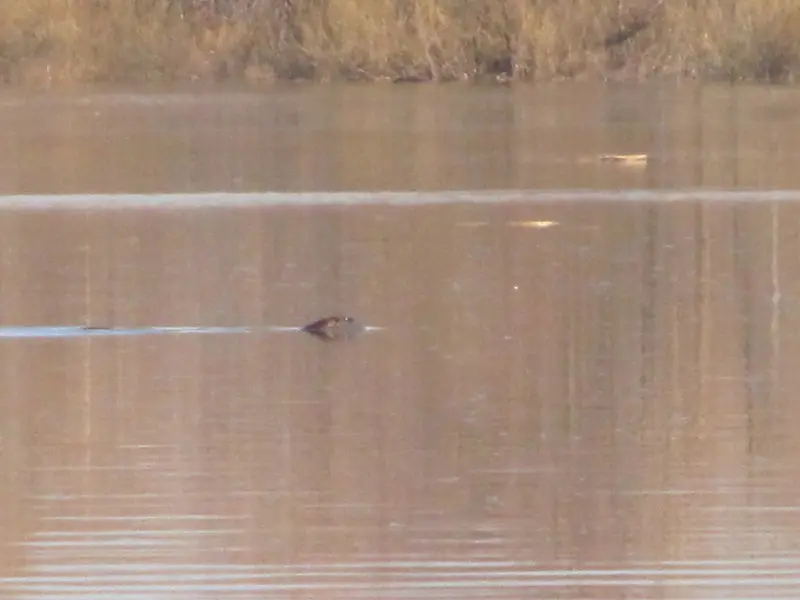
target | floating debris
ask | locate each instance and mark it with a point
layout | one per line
(533, 224)
(624, 159)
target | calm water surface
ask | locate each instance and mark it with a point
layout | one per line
(304, 138)
(573, 394)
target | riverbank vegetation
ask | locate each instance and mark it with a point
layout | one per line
(50, 42)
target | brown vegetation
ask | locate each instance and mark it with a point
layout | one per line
(46, 42)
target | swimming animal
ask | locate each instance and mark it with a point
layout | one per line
(333, 328)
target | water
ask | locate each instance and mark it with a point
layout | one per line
(566, 394)
(375, 138)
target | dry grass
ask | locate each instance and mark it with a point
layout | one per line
(47, 42)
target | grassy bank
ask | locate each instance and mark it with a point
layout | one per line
(48, 42)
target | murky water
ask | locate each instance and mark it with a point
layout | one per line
(447, 138)
(564, 394)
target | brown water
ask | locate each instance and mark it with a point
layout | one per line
(603, 407)
(399, 137)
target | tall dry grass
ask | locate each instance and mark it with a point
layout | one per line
(46, 42)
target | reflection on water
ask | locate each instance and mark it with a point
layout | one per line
(75, 331)
(601, 408)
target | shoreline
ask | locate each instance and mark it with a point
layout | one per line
(52, 43)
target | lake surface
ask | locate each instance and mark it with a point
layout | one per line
(566, 394)
(444, 138)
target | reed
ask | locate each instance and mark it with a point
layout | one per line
(47, 42)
